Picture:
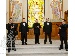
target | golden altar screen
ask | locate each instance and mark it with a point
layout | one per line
(35, 11)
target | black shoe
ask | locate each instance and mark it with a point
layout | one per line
(66, 49)
(8, 51)
(14, 49)
(59, 48)
(35, 43)
(22, 44)
(38, 43)
(50, 42)
(25, 43)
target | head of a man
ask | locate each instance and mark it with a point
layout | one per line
(47, 19)
(63, 21)
(10, 20)
(23, 20)
(36, 20)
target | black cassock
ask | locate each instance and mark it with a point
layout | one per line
(23, 29)
(47, 28)
(63, 35)
(11, 36)
(36, 27)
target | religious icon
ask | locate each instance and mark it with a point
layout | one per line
(16, 11)
(56, 8)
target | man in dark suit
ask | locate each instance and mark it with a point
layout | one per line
(23, 30)
(63, 34)
(36, 27)
(47, 29)
(12, 32)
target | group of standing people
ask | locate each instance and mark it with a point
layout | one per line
(47, 29)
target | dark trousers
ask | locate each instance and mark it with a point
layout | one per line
(24, 36)
(10, 42)
(49, 35)
(36, 38)
(65, 42)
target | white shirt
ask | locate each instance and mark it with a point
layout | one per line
(47, 23)
(23, 24)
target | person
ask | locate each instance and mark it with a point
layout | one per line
(63, 35)
(23, 29)
(47, 29)
(12, 32)
(36, 27)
